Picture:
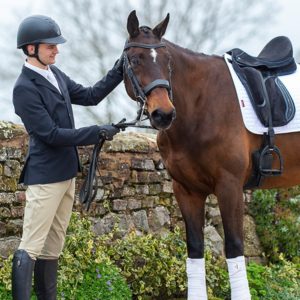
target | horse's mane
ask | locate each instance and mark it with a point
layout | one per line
(147, 30)
(185, 50)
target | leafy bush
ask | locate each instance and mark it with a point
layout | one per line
(217, 277)
(85, 271)
(257, 280)
(274, 282)
(5, 278)
(283, 281)
(153, 266)
(276, 214)
(101, 282)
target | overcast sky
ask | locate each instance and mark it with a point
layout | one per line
(13, 11)
(286, 17)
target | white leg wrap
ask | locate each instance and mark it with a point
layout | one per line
(195, 269)
(238, 278)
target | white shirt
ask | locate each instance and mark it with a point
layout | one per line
(46, 73)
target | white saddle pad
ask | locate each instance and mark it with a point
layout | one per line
(251, 121)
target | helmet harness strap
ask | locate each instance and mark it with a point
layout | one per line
(36, 53)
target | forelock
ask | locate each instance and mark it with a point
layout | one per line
(145, 29)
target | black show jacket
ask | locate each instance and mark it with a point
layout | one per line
(48, 118)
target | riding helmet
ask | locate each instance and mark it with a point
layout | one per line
(38, 29)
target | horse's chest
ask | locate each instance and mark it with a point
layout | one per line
(186, 166)
(181, 168)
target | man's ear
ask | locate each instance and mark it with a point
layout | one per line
(30, 49)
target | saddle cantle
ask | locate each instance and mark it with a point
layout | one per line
(278, 53)
(270, 99)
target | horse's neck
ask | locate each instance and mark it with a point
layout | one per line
(190, 69)
(198, 83)
(189, 78)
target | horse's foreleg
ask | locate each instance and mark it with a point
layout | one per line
(192, 209)
(230, 198)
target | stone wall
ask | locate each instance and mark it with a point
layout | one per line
(135, 192)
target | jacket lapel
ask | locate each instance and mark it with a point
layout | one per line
(39, 79)
(61, 83)
(65, 93)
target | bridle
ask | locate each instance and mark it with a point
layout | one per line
(141, 93)
(89, 188)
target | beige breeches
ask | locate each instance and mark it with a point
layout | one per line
(47, 214)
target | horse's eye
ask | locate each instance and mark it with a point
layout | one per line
(134, 61)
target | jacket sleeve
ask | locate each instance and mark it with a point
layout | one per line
(29, 107)
(93, 95)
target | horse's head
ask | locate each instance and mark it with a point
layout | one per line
(148, 71)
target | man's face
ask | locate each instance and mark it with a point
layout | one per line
(47, 52)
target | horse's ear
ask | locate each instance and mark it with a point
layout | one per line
(160, 29)
(133, 24)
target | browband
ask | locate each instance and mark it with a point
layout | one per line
(141, 45)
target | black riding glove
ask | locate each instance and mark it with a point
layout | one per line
(107, 132)
(119, 65)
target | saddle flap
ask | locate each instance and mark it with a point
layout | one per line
(271, 100)
(254, 85)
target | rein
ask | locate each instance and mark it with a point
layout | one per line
(90, 185)
(89, 188)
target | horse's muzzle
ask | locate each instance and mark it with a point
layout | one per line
(162, 120)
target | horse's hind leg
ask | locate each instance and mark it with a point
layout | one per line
(192, 209)
(230, 198)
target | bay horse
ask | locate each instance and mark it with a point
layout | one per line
(191, 100)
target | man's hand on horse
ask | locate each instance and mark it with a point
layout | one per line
(118, 66)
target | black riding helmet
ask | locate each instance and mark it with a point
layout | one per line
(38, 29)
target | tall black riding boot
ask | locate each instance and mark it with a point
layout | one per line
(22, 269)
(45, 277)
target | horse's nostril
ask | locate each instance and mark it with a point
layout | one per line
(162, 119)
(157, 115)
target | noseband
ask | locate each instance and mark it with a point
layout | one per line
(141, 93)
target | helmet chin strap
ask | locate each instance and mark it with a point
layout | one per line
(36, 55)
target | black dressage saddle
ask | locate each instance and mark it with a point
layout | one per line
(271, 100)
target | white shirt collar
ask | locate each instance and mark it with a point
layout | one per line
(46, 73)
(43, 72)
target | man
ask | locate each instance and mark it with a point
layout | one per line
(42, 97)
